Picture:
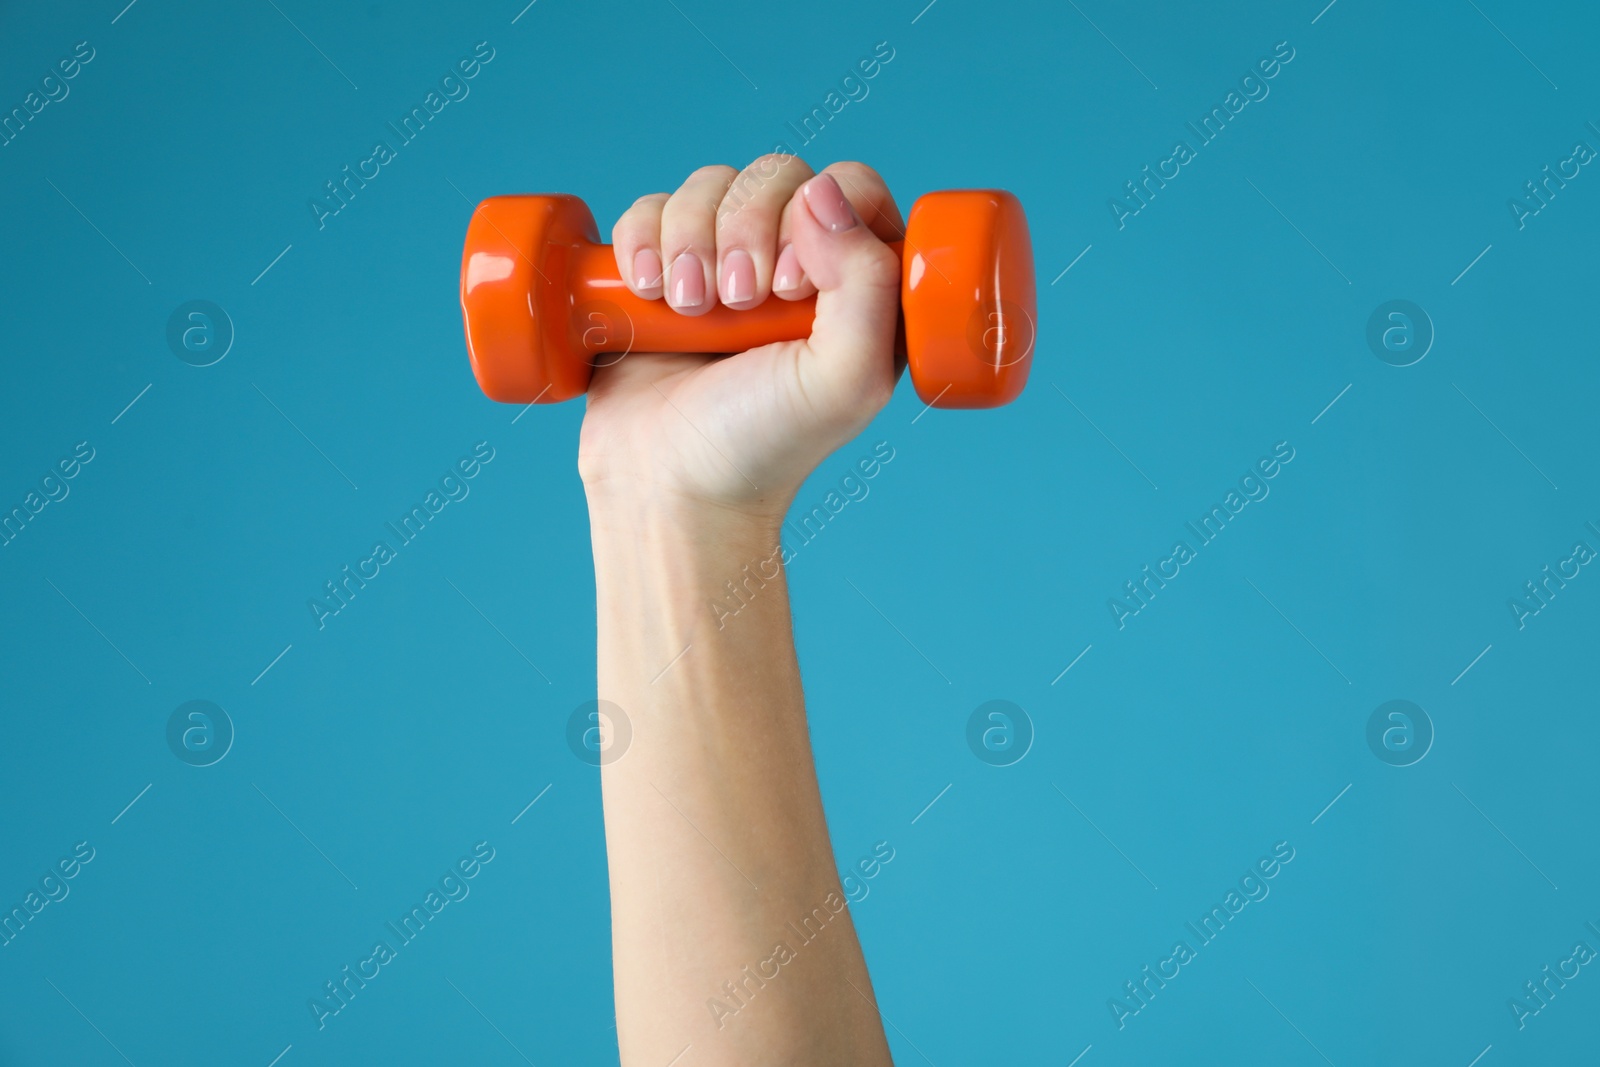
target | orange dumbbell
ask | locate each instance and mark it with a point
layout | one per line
(543, 302)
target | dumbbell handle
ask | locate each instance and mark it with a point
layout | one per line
(653, 326)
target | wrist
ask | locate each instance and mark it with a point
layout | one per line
(672, 557)
(670, 573)
(633, 513)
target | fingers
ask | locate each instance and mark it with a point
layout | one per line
(730, 237)
(714, 240)
(747, 228)
(851, 372)
(869, 196)
(636, 241)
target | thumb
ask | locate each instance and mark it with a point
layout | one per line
(849, 369)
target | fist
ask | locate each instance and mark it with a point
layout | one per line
(745, 430)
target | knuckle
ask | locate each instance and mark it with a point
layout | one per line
(631, 231)
(740, 192)
(733, 231)
(687, 227)
(714, 171)
(695, 204)
(855, 172)
(772, 164)
(740, 221)
(753, 188)
(641, 221)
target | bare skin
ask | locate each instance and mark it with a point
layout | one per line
(715, 833)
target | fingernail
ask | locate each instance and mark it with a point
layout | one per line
(828, 204)
(646, 270)
(688, 281)
(738, 277)
(787, 275)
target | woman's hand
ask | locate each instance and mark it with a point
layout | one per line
(690, 462)
(742, 432)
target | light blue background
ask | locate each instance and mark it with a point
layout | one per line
(1205, 331)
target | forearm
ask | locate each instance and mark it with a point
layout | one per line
(729, 929)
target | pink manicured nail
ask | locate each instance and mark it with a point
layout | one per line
(738, 277)
(787, 275)
(688, 281)
(646, 270)
(828, 204)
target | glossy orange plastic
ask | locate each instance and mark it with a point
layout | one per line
(542, 302)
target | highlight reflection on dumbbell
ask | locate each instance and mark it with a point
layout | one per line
(542, 301)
